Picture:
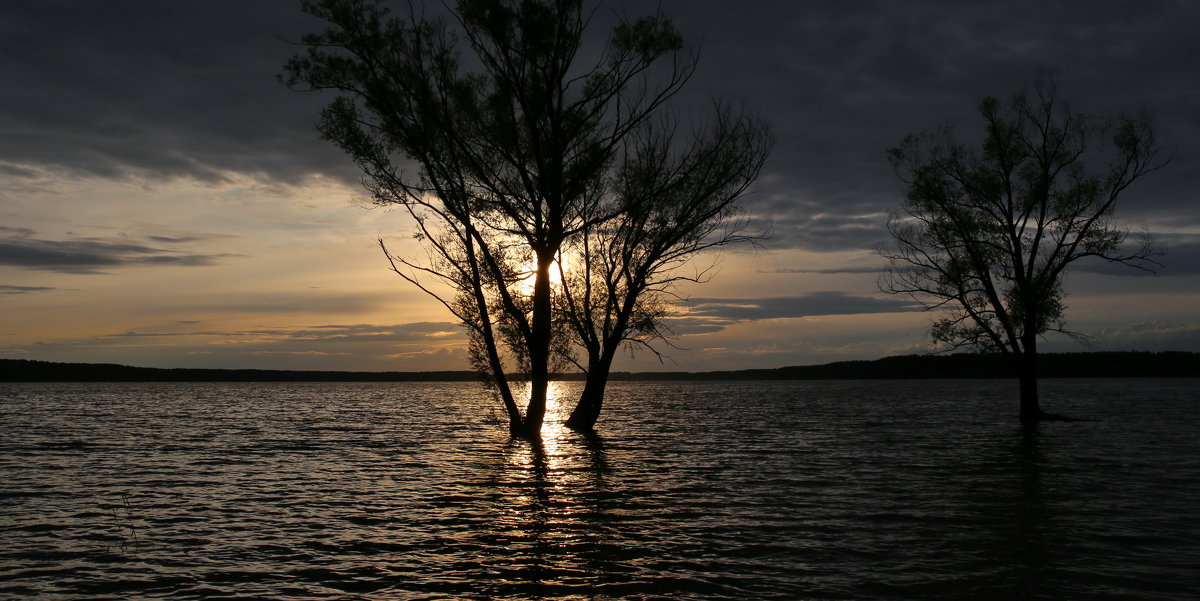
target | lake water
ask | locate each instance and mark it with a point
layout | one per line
(694, 490)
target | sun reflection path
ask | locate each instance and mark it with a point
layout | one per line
(557, 451)
(547, 505)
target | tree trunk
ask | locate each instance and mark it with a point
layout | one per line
(500, 379)
(591, 400)
(501, 383)
(510, 405)
(587, 410)
(535, 412)
(1031, 410)
(539, 349)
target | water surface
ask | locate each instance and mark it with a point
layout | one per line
(762, 490)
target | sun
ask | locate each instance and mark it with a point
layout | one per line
(529, 274)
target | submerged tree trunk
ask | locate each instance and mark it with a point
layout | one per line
(1031, 410)
(535, 412)
(539, 349)
(591, 400)
(501, 383)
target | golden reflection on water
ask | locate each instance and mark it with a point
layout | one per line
(557, 441)
(546, 502)
(563, 460)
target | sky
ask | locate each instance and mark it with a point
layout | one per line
(166, 202)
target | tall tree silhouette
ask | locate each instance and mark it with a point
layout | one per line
(500, 141)
(984, 237)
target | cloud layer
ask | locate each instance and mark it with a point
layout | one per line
(92, 255)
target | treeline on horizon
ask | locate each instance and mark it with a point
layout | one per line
(1130, 364)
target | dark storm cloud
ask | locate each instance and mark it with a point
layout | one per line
(187, 88)
(89, 255)
(182, 88)
(843, 81)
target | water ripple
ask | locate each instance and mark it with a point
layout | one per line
(771, 490)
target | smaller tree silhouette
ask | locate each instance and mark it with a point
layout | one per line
(679, 198)
(984, 237)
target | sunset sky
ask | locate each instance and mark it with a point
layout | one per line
(165, 202)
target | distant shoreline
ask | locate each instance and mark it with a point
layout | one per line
(1126, 364)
